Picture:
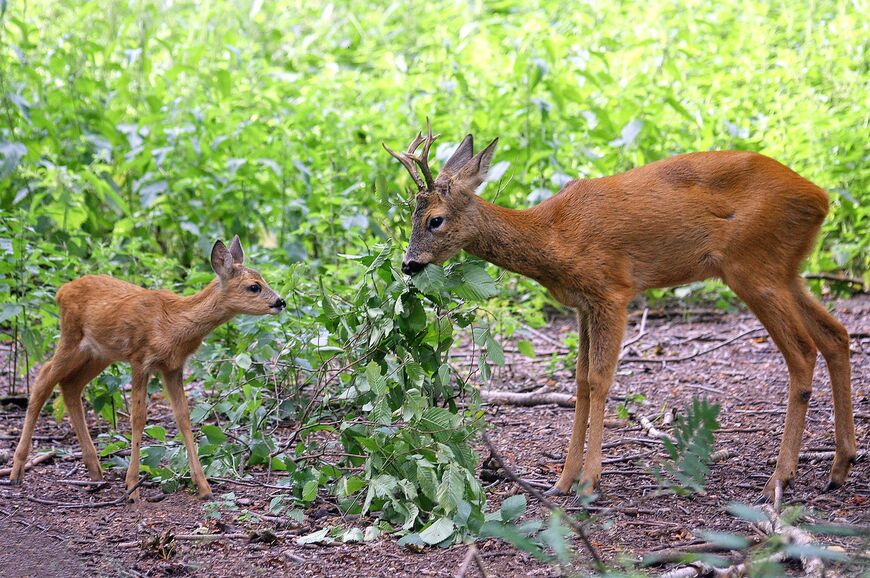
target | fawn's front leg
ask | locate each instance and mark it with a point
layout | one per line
(138, 416)
(175, 387)
(606, 328)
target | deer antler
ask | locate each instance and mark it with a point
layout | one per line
(406, 158)
(423, 158)
(410, 160)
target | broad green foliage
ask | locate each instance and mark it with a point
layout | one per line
(133, 134)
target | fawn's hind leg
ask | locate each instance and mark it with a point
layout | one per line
(64, 362)
(71, 387)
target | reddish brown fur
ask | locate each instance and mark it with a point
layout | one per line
(739, 216)
(103, 320)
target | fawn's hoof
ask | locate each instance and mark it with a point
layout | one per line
(14, 481)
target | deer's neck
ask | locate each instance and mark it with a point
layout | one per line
(518, 240)
(199, 314)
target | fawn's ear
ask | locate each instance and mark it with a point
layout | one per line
(474, 172)
(236, 251)
(222, 261)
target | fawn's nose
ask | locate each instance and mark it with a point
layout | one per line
(280, 303)
(411, 267)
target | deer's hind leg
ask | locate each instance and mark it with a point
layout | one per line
(832, 339)
(776, 306)
(72, 387)
(65, 361)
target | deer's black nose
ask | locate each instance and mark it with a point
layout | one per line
(411, 267)
(280, 304)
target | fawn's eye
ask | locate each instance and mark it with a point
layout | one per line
(435, 222)
(255, 288)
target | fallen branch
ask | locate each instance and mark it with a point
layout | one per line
(81, 506)
(529, 399)
(576, 526)
(813, 565)
(670, 555)
(34, 462)
(838, 279)
(664, 360)
(651, 430)
(810, 456)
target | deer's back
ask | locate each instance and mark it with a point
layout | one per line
(686, 217)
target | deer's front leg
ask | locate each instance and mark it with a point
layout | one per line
(138, 416)
(175, 387)
(574, 458)
(606, 328)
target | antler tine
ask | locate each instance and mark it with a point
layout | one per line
(407, 162)
(423, 158)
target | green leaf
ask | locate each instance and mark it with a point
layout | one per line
(513, 507)
(427, 479)
(319, 537)
(244, 361)
(438, 531)
(745, 512)
(377, 383)
(527, 348)
(213, 433)
(430, 280)
(309, 491)
(157, 432)
(476, 284)
(510, 534)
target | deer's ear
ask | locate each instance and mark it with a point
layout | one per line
(222, 261)
(236, 251)
(460, 156)
(475, 170)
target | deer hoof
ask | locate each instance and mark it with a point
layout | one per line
(554, 491)
(832, 485)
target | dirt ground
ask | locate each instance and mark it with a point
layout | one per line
(747, 377)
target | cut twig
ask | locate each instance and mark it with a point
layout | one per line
(641, 332)
(576, 526)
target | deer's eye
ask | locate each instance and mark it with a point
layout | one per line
(435, 222)
(255, 288)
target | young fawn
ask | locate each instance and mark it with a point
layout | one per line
(103, 320)
(739, 216)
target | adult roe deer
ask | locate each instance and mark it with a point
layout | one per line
(103, 320)
(739, 216)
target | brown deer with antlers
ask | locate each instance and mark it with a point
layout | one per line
(738, 216)
(103, 320)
